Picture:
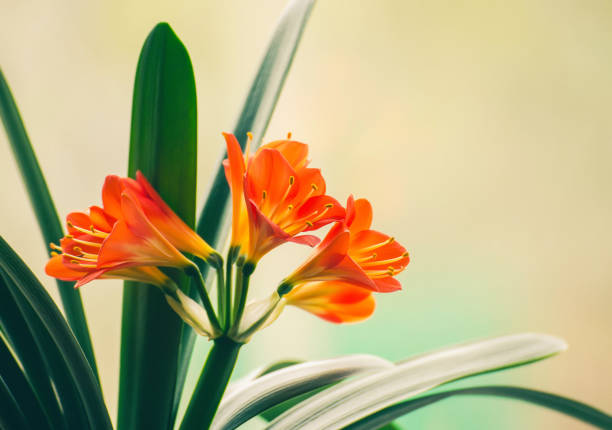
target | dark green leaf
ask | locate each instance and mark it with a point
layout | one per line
(163, 145)
(573, 408)
(56, 330)
(48, 221)
(11, 415)
(38, 367)
(254, 117)
(21, 391)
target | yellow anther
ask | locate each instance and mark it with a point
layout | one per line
(309, 224)
(291, 180)
(405, 254)
(250, 135)
(69, 224)
(329, 205)
(54, 246)
(290, 207)
(264, 194)
(74, 262)
(289, 136)
(78, 249)
(314, 186)
(69, 236)
(54, 254)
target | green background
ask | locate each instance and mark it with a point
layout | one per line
(480, 131)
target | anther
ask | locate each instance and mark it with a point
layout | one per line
(309, 224)
(314, 186)
(289, 136)
(291, 180)
(78, 249)
(290, 207)
(264, 194)
(54, 254)
(329, 205)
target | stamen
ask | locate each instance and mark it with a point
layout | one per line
(289, 136)
(291, 180)
(314, 186)
(376, 246)
(86, 242)
(91, 232)
(264, 194)
(54, 254)
(309, 224)
(273, 212)
(79, 258)
(77, 249)
(385, 262)
(56, 247)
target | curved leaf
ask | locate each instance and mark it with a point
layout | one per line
(45, 212)
(39, 368)
(21, 391)
(350, 401)
(249, 399)
(58, 332)
(573, 408)
(163, 145)
(254, 117)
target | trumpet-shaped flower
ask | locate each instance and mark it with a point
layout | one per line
(335, 283)
(117, 241)
(282, 197)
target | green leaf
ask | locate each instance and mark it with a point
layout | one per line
(48, 221)
(163, 146)
(39, 368)
(21, 391)
(254, 117)
(350, 401)
(11, 417)
(50, 324)
(573, 408)
(251, 398)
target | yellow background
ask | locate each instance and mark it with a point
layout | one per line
(480, 131)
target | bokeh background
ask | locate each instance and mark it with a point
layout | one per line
(481, 132)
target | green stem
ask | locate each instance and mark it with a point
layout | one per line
(195, 273)
(231, 259)
(221, 296)
(244, 276)
(211, 385)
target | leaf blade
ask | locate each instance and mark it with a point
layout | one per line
(573, 408)
(163, 145)
(251, 398)
(45, 212)
(57, 330)
(350, 401)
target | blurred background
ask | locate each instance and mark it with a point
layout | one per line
(480, 131)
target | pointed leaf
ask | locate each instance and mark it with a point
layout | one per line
(45, 212)
(248, 400)
(163, 145)
(573, 408)
(21, 390)
(57, 331)
(350, 401)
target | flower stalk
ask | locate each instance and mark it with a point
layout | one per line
(211, 385)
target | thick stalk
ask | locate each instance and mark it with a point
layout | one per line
(211, 385)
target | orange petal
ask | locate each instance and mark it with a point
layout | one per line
(111, 195)
(296, 153)
(387, 285)
(358, 215)
(269, 180)
(336, 302)
(56, 268)
(330, 262)
(100, 219)
(136, 241)
(376, 251)
(264, 235)
(234, 173)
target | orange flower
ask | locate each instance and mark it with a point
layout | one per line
(157, 212)
(335, 283)
(280, 196)
(117, 241)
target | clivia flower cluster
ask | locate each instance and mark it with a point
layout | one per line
(276, 198)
